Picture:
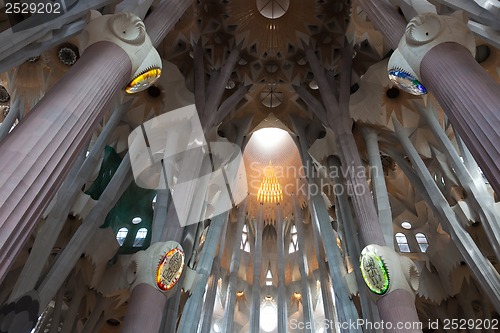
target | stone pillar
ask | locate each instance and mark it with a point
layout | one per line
(257, 263)
(386, 19)
(343, 209)
(479, 196)
(486, 275)
(326, 282)
(321, 221)
(280, 249)
(233, 271)
(303, 268)
(38, 155)
(95, 315)
(164, 17)
(82, 237)
(192, 310)
(34, 165)
(443, 60)
(142, 312)
(74, 306)
(469, 96)
(67, 194)
(379, 188)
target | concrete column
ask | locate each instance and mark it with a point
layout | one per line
(343, 209)
(56, 315)
(326, 282)
(38, 154)
(341, 124)
(379, 188)
(142, 312)
(303, 268)
(486, 275)
(466, 92)
(469, 96)
(386, 19)
(164, 17)
(96, 314)
(233, 271)
(192, 310)
(479, 196)
(80, 240)
(67, 194)
(321, 221)
(208, 307)
(257, 263)
(280, 249)
(74, 307)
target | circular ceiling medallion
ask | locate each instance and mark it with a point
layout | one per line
(4, 95)
(273, 9)
(170, 269)
(374, 272)
(271, 97)
(68, 54)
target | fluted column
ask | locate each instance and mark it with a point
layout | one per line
(303, 269)
(144, 301)
(39, 153)
(67, 194)
(386, 19)
(82, 237)
(228, 320)
(470, 98)
(467, 93)
(280, 249)
(379, 187)
(257, 262)
(164, 17)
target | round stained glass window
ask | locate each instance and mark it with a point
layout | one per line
(374, 272)
(170, 269)
(407, 82)
(273, 9)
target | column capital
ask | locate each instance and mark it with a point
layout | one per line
(385, 271)
(160, 266)
(423, 33)
(127, 31)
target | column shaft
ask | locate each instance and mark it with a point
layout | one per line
(192, 310)
(386, 19)
(303, 269)
(142, 312)
(479, 196)
(67, 194)
(80, 240)
(470, 98)
(280, 249)
(379, 187)
(257, 263)
(39, 153)
(483, 270)
(233, 271)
